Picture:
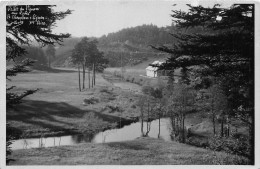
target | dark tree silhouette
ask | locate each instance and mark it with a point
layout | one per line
(224, 50)
(21, 29)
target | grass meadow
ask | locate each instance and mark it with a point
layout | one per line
(59, 108)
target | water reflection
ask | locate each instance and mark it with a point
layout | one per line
(129, 132)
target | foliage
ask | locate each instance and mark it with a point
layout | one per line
(143, 35)
(213, 101)
(9, 139)
(180, 102)
(238, 146)
(225, 50)
(86, 52)
(35, 54)
(22, 34)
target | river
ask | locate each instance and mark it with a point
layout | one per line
(129, 132)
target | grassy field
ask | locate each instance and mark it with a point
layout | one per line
(137, 152)
(59, 108)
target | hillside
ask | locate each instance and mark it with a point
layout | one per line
(142, 151)
(127, 47)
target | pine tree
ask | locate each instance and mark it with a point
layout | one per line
(20, 31)
(225, 49)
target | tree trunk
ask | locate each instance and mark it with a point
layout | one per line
(83, 76)
(147, 118)
(228, 126)
(213, 117)
(89, 78)
(147, 122)
(183, 128)
(142, 123)
(94, 74)
(159, 126)
(214, 124)
(222, 126)
(79, 77)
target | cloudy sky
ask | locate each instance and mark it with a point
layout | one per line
(96, 18)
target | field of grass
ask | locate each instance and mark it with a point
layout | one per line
(59, 108)
(141, 151)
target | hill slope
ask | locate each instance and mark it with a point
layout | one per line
(141, 151)
(126, 47)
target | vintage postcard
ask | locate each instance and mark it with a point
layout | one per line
(129, 83)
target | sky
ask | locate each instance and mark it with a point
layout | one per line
(97, 18)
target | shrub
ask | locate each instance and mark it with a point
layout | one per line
(91, 100)
(9, 138)
(147, 89)
(239, 146)
(132, 79)
(197, 141)
(128, 79)
(133, 106)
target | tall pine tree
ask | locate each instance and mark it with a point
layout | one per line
(25, 23)
(225, 49)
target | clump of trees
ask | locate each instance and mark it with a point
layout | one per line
(224, 51)
(181, 102)
(152, 106)
(86, 55)
(18, 36)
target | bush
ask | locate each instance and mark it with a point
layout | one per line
(127, 78)
(132, 80)
(197, 141)
(147, 89)
(133, 106)
(238, 146)
(91, 100)
(9, 139)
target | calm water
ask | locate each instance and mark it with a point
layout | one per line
(130, 132)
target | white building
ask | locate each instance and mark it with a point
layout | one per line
(152, 71)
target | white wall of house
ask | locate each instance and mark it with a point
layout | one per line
(151, 71)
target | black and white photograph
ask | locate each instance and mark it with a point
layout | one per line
(129, 83)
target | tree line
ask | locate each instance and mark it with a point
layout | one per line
(141, 35)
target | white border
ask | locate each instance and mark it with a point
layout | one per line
(3, 91)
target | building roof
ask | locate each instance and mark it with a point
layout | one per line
(157, 62)
(153, 68)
